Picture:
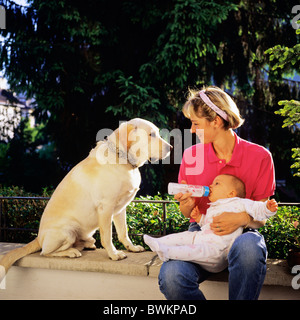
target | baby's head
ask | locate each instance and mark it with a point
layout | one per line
(226, 186)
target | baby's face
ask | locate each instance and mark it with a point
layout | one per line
(220, 188)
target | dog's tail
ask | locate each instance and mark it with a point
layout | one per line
(11, 257)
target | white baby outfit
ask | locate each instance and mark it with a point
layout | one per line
(204, 247)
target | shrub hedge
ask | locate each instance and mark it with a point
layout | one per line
(142, 218)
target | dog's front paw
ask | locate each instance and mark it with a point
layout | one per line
(117, 255)
(133, 248)
(73, 253)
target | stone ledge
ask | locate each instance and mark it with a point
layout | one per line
(278, 274)
(137, 264)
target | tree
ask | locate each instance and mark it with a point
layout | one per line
(81, 61)
(286, 60)
(90, 64)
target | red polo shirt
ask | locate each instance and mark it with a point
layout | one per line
(252, 163)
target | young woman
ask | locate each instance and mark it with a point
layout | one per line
(215, 114)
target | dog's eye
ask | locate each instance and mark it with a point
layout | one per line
(152, 134)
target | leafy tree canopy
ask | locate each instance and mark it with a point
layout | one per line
(89, 64)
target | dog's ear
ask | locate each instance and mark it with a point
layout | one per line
(123, 135)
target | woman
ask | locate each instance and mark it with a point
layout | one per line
(215, 114)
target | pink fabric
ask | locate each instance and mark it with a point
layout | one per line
(252, 163)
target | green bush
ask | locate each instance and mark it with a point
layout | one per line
(143, 218)
(280, 232)
(21, 214)
(147, 218)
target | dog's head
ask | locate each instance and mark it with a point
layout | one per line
(138, 140)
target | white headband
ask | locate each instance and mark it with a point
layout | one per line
(207, 101)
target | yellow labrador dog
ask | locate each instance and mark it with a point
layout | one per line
(95, 192)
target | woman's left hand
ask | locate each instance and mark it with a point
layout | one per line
(228, 222)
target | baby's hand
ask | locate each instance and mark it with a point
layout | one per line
(272, 205)
(196, 215)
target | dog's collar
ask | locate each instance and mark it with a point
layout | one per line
(121, 154)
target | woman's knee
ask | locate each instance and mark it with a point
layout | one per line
(248, 250)
(247, 266)
(169, 277)
(179, 280)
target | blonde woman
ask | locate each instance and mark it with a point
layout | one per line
(213, 111)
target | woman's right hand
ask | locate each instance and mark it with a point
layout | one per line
(186, 202)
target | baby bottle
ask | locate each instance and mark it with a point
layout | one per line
(197, 191)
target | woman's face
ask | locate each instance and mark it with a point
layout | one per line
(204, 129)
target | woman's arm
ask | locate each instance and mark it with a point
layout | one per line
(228, 222)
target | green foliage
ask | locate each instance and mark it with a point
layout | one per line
(27, 160)
(142, 218)
(187, 38)
(280, 232)
(285, 59)
(143, 102)
(22, 213)
(291, 111)
(92, 64)
(115, 56)
(296, 164)
(3, 154)
(147, 218)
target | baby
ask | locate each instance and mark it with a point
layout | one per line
(204, 247)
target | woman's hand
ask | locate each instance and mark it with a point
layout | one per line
(228, 222)
(186, 202)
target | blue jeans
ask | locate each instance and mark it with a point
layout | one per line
(179, 280)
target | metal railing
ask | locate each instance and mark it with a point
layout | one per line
(4, 228)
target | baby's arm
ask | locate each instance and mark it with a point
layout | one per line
(196, 215)
(260, 210)
(272, 205)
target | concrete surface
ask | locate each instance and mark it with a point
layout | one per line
(95, 276)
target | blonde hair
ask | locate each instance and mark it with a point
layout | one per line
(196, 106)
